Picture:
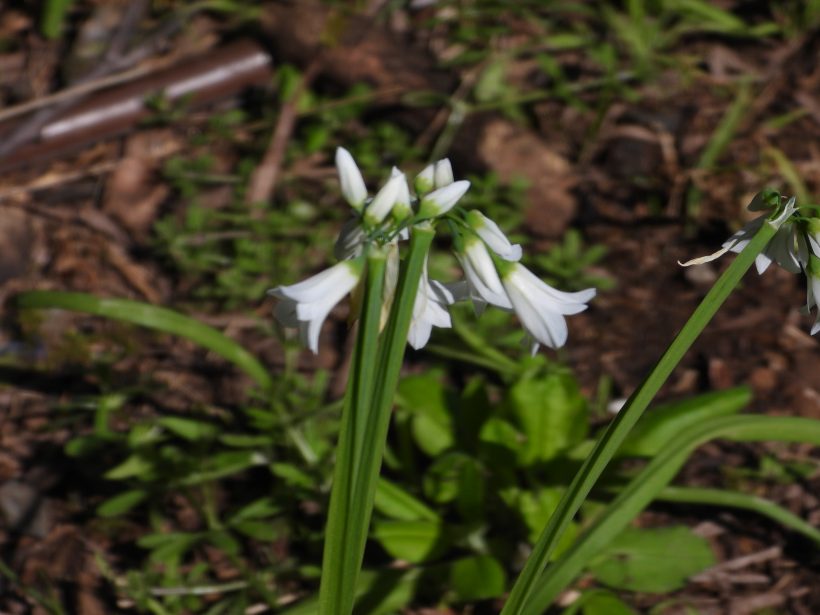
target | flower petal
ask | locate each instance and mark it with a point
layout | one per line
(353, 188)
(442, 200)
(443, 173)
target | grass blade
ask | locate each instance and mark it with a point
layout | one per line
(151, 317)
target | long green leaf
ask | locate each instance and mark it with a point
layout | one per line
(345, 529)
(653, 479)
(346, 535)
(736, 499)
(151, 317)
(613, 436)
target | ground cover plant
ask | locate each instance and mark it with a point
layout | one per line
(169, 447)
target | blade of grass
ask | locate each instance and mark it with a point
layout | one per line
(613, 436)
(151, 317)
(736, 499)
(651, 481)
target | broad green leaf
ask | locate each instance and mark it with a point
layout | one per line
(442, 479)
(189, 429)
(412, 541)
(470, 498)
(121, 503)
(474, 408)
(551, 413)
(499, 442)
(396, 503)
(656, 560)
(599, 602)
(536, 507)
(426, 399)
(477, 578)
(152, 317)
(659, 425)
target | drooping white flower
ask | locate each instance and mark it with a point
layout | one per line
(786, 248)
(813, 289)
(306, 304)
(429, 310)
(540, 307)
(481, 276)
(493, 236)
(442, 200)
(350, 178)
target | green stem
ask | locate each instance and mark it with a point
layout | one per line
(364, 430)
(342, 532)
(613, 436)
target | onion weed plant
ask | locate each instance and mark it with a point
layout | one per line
(512, 453)
(397, 303)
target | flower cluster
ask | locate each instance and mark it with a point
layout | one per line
(493, 273)
(795, 246)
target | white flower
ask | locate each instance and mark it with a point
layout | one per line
(381, 205)
(353, 188)
(493, 236)
(787, 248)
(306, 304)
(442, 200)
(482, 278)
(429, 310)
(540, 307)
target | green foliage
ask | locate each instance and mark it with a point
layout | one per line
(657, 560)
(568, 264)
(53, 17)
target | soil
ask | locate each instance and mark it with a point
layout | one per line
(82, 220)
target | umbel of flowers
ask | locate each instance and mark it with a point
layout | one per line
(493, 274)
(795, 246)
